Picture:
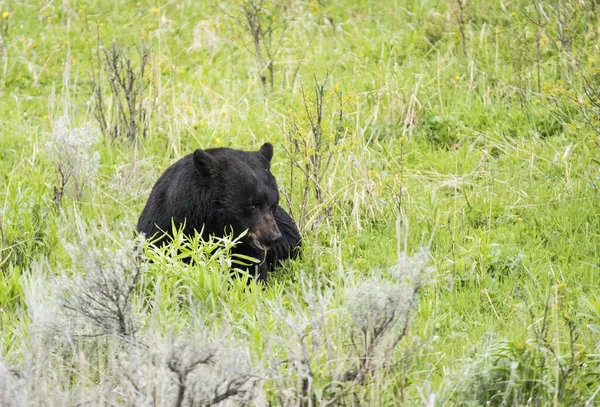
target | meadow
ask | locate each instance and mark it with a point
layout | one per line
(441, 159)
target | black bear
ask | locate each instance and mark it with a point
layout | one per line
(219, 190)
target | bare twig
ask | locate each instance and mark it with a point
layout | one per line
(128, 116)
(259, 23)
(460, 19)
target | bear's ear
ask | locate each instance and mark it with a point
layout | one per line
(267, 151)
(204, 162)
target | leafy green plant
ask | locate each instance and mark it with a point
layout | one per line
(439, 131)
(394, 132)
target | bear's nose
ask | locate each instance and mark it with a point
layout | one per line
(273, 238)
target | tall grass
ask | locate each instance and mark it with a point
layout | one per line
(467, 128)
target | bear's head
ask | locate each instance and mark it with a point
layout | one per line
(244, 191)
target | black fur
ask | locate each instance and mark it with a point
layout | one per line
(217, 190)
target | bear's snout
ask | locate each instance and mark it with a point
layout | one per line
(272, 238)
(266, 233)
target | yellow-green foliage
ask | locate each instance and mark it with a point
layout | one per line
(387, 134)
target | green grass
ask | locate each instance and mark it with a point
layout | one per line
(492, 154)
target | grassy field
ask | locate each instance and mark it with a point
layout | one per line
(441, 159)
